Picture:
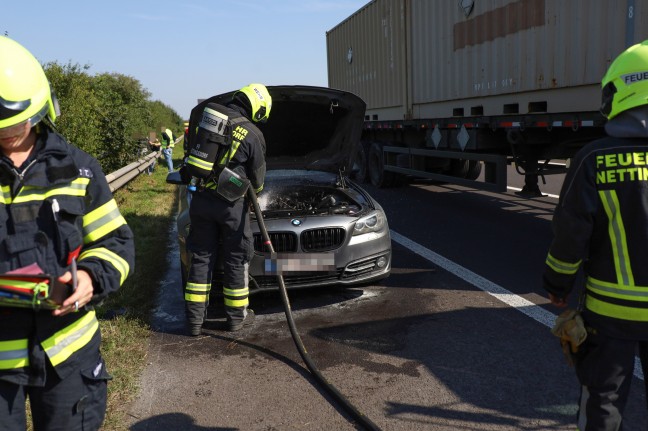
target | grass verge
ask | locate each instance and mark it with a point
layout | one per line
(149, 206)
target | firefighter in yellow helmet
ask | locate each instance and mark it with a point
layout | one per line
(220, 214)
(57, 215)
(601, 228)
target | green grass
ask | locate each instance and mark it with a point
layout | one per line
(149, 206)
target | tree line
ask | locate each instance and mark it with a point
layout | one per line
(108, 115)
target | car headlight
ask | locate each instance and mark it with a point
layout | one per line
(374, 222)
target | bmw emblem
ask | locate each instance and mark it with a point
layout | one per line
(295, 222)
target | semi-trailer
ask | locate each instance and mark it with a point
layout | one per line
(458, 90)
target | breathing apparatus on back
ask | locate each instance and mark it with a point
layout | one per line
(211, 151)
(212, 135)
(213, 146)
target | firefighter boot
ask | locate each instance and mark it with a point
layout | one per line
(238, 324)
(194, 325)
(195, 330)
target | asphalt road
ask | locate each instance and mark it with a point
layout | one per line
(457, 338)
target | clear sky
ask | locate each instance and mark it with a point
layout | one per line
(182, 51)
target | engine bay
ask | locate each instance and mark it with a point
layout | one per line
(278, 202)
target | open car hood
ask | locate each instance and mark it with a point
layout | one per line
(314, 128)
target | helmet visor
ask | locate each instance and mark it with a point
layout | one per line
(9, 108)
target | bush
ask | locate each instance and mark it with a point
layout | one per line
(107, 115)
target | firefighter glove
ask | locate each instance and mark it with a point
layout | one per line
(570, 328)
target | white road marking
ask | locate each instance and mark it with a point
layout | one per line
(525, 306)
(515, 189)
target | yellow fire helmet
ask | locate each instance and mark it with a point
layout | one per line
(260, 100)
(25, 93)
(625, 85)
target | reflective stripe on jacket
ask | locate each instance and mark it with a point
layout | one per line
(59, 203)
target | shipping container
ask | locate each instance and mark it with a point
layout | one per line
(452, 85)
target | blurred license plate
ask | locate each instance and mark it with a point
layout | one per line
(299, 262)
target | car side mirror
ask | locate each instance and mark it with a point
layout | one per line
(174, 178)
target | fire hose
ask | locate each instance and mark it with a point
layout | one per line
(336, 394)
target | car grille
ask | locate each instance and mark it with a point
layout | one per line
(281, 242)
(322, 239)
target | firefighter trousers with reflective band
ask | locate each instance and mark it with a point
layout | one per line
(75, 403)
(604, 367)
(220, 231)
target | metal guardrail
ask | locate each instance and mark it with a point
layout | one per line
(123, 175)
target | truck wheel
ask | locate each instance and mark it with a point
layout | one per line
(376, 164)
(468, 169)
(360, 163)
(459, 168)
(402, 161)
(474, 170)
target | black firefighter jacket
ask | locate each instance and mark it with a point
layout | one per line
(601, 225)
(87, 223)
